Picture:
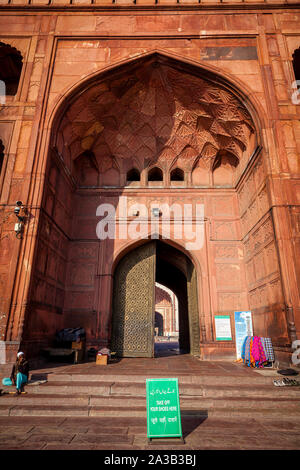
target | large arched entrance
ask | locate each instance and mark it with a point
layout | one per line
(158, 132)
(133, 316)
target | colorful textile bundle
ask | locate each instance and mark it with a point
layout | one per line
(256, 351)
(267, 343)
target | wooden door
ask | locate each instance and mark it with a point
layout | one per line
(134, 303)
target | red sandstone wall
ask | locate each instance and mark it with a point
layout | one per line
(47, 290)
(262, 265)
(92, 42)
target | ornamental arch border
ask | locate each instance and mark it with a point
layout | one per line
(211, 73)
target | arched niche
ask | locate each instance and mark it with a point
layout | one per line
(86, 169)
(201, 174)
(155, 175)
(296, 64)
(11, 63)
(110, 177)
(1, 156)
(177, 175)
(133, 176)
(224, 168)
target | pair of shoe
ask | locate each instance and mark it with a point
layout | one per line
(286, 383)
(291, 382)
(18, 392)
(278, 383)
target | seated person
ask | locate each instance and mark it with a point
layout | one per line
(20, 372)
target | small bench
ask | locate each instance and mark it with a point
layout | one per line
(65, 352)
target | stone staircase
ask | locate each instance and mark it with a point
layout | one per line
(122, 395)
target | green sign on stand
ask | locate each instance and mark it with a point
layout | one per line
(163, 408)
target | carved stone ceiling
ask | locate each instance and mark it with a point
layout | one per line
(155, 114)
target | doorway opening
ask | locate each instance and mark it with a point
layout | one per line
(136, 319)
(166, 322)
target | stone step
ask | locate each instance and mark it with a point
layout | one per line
(43, 410)
(139, 389)
(263, 391)
(103, 389)
(47, 399)
(72, 388)
(195, 403)
(252, 378)
(122, 401)
(203, 412)
(140, 411)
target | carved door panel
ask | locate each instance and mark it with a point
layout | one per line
(134, 303)
(193, 310)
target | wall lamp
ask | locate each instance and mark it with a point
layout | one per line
(19, 208)
(156, 212)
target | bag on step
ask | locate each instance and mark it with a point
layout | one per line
(7, 382)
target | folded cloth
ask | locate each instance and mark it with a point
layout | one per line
(70, 334)
(263, 343)
(248, 350)
(254, 352)
(269, 349)
(258, 352)
(243, 349)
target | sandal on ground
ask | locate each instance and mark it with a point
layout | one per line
(290, 382)
(294, 383)
(279, 383)
(287, 382)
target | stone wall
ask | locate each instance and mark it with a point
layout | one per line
(249, 44)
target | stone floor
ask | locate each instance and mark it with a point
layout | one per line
(129, 434)
(227, 432)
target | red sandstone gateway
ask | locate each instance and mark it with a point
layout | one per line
(162, 104)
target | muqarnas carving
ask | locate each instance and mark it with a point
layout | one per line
(155, 116)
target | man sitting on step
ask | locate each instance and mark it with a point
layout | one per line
(20, 372)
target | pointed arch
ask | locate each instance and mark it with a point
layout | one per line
(296, 64)
(155, 174)
(198, 68)
(177, 174)
(133, 175)
(11, 63)
(2, 149)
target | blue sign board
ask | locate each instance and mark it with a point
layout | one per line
(243, 328)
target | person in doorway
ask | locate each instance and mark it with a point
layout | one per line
(20, 372)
